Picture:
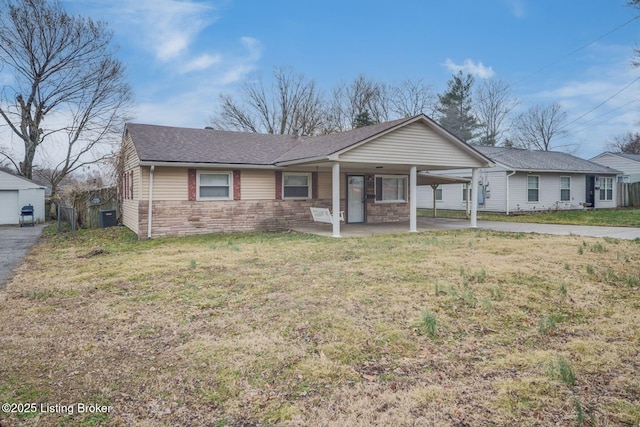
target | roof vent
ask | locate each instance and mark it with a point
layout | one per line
(209, 128)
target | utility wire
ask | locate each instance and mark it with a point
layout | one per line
(601, 104)
(624, 24)
(582, 127)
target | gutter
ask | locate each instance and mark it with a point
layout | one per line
(150, 201)
(507, 207)
(206, 165)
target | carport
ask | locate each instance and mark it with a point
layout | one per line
(434, 181)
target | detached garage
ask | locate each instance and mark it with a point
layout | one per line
(16, 192)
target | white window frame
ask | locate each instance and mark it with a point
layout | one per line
(537, 189)
(604, 188)
(438, 193)
(309, 185)
(210, 172)
(624, 179)
(567, 189)
(405, 198)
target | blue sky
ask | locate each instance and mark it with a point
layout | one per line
(180, 55)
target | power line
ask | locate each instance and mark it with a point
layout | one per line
(582, 127)
(601, 104)
(624, 24)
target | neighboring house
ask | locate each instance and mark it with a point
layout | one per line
(204, 180)
(16, 192)
(525, 181)
(627, 164)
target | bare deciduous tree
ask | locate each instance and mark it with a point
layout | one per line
(412, 97)
(63, 69)
(493, 104)
(361, 97)
(536, 128)
(292, 104)
(628, 143)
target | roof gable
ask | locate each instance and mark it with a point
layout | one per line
(14, 182)
(418, 142)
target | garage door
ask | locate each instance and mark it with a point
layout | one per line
(9, 209)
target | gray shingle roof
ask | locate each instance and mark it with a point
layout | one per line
(635, 157)
(172, 144)
(184, 145)
(542, 161)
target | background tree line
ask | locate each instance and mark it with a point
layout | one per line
(480, 113)
(68, 94)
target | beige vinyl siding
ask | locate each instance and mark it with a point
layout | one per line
(129, 208)
(257, 185)
(325, 185)
(170, 184)
(415, 144)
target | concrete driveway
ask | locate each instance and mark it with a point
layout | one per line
(15, 243)
(563, 230)
(429, 224)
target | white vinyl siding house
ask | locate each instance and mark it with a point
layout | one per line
(525, 181)
(627, 164)
(16, 192)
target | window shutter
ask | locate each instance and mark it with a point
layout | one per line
(314, 185)
(278, 185)
(378, 188)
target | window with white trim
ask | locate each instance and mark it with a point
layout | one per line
(439, 194)
(606, 188)
(565, 188)
(533, 188)
(391, 188)
(296, 185)
(215, 185)
(624, 178)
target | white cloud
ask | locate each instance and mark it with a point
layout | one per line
(166, 27)
(243, 64)
(477, 70)
(598, 103)
(201, 63)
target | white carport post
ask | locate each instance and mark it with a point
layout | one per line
(413, 200)
(335, 193)
(474, 198)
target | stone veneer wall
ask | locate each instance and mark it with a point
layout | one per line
(183, 217)
(386, 212)
(176, 218)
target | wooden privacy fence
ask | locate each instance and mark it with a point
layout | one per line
(88, 205)
(628, 195)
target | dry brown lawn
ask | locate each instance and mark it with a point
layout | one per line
(465, 328)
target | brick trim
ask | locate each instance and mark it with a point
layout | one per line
(191, 173)
(236, 185)
(278, 185)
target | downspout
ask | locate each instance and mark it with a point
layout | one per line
(150, 201)
(507, 207)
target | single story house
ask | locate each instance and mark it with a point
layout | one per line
(16, 192)
(627, 164)
(526, 181)
(179, 181)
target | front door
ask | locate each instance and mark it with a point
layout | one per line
(355, 198)
(590, 197)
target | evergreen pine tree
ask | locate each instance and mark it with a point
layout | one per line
(454, 109)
